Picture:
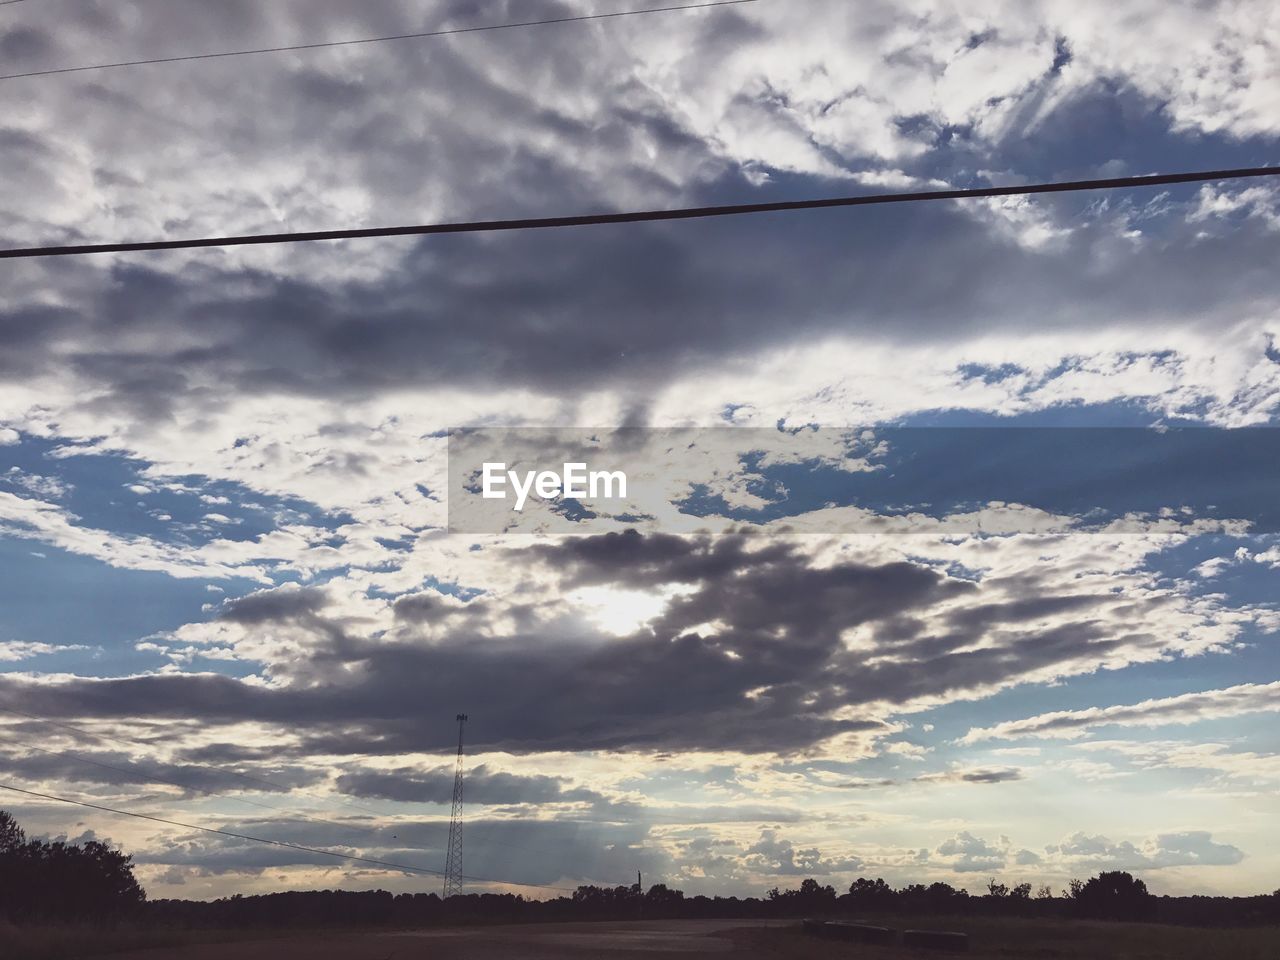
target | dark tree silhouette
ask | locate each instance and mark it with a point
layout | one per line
(1115, 895)
(812, 897)
(871, 894)
(11, 835)
(40, 880)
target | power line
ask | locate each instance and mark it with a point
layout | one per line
(399, 36)
(248, 778)
(487, 838)
(275, 843)
(128, 741)
(186, 786)
(642, 216)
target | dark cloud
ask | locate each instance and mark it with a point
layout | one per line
(654, 559)
(485, 786)
(420, 609)
(628, 308)
(116, 769)
(270, 606)
(990, 776)
(773, 676)
(534, 124)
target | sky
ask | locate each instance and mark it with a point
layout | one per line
(857, 627)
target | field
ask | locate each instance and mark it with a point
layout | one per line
(662, 940)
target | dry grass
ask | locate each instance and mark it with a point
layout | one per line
(67, 941)
(991, 939)
(1011, 939)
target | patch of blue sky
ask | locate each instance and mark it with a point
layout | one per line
(451, 589)
(50, 596)
(1112, 131)
(1093, 473)
(1242, 580)
(680, 784)
(402, 544)
(1086, 136)
(112, 492)
(1258, 663)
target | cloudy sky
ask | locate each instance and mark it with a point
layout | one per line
(226, 565)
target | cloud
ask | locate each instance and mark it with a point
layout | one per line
(1185, 708)
(776, 856)
(747, 103)
(517, 851)
(976, 775)
(772, 645)
(1219, 759)
(117, 768)
(28, 519)
(965, 853)
(483, 786)
(42, 486)
(14, 651)
(771, 648)
(1189, 848)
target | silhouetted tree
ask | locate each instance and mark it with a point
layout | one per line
(811, 898)
(1114, 895)
(871, 894)
(662, 900)
(11, 835)
(63, 881)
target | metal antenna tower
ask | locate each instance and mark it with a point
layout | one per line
(453, 860)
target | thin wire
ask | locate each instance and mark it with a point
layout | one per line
(248, 778)
(486, 838)
(400, 36)
(642, 216)
(275, 843)
(188, 786)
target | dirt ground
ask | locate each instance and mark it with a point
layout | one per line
(655, 940)
(749, 940)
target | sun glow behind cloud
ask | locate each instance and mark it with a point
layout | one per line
(623, 612)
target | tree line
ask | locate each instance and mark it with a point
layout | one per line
(1114, 895)
(45, 881)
